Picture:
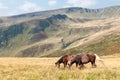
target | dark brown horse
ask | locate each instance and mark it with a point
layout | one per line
(64, 59)
(82, 59)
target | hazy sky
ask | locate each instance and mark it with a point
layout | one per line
(14, 7)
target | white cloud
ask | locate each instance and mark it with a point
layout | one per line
(81, 3)
(3, 6)
(13, 12)
(52, 2)
(30, 7)
(67, 6)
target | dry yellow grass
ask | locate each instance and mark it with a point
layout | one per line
(44, 69)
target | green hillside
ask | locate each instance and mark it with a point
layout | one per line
(63, 31)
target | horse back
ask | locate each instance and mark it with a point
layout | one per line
(69, 58)
(85, 58)
(91, 56)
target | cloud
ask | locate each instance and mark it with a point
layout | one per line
(30, 7)
(81, 3)
(3, 6)
(13, 12)
(52, 2)
(67, 6)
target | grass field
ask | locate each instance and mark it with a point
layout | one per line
(44, 69)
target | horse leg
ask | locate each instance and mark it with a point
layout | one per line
(82, 66)
(65, 64)
(93, 64)
(58, 65)
(76, 64)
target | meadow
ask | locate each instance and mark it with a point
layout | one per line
(44, 69)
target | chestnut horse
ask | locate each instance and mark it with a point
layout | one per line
(82, 59)
(64, 59)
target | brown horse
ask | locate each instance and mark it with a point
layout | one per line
(82, 59)
(64, 59)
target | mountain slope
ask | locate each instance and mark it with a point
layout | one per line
(62, 31)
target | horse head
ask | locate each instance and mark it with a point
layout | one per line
(57, 64)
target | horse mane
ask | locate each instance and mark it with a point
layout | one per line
(74, 59)
(61, 58)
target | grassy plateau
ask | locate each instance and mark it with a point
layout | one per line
(44, 69)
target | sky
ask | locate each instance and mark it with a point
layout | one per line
(16, 7)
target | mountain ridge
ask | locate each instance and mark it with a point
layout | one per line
(56, 32)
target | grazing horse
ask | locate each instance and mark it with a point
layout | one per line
(82, 59)
(64, 59)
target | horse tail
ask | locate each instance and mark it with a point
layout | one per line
(98, 58)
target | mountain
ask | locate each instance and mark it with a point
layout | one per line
(62, 31)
